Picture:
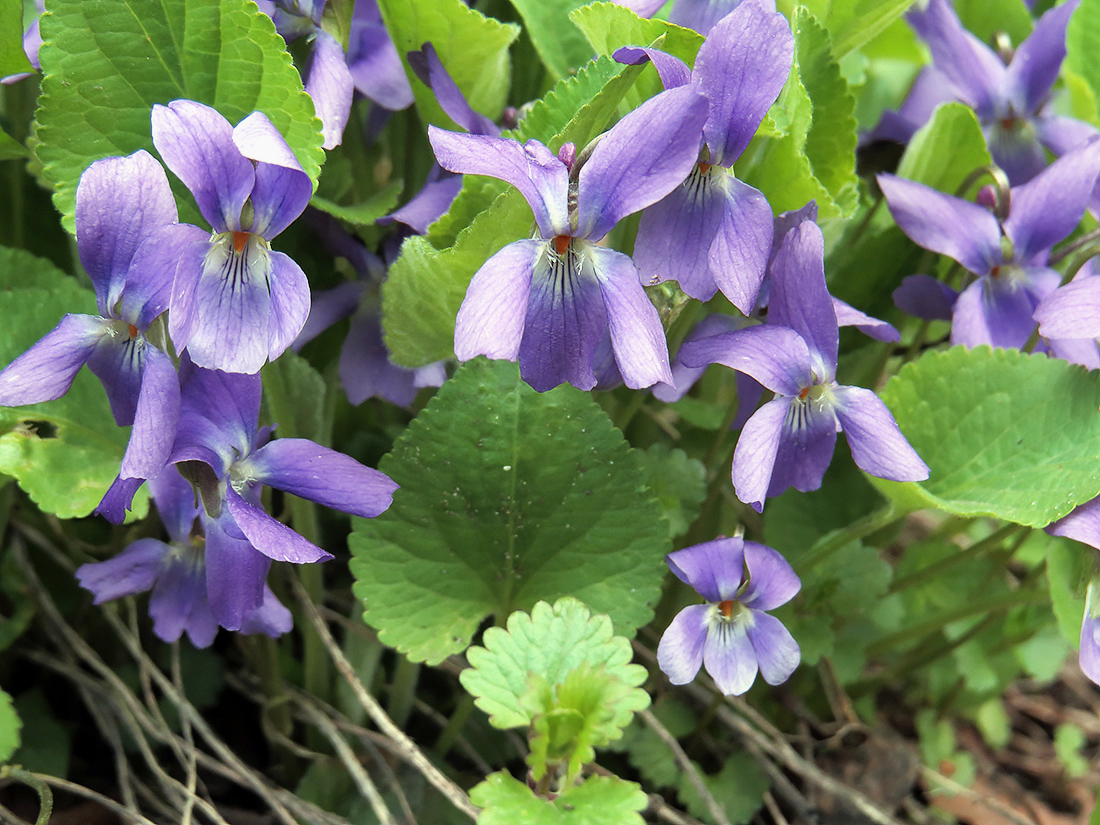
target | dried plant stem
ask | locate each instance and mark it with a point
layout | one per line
(687, 766)
(444, 785)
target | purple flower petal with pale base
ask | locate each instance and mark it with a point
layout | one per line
(491, 318)
(876, 441)
(714, 569)
(373, 60)
(964, 231)
(196, 143)
(331, 86)
(131, 572)
(806, 446)
(272, 538)
(310, 471)
(777, 653)
(680, 651)
(729, 656)
(235, 573)
(47, 369)
(1038, 60)
(771, 579)
(998, 310)
(739, 253)
(155, 418)
(775, 356)
(1071, 311)
(427, 66)
(178, 603)
(800, 300)
(756, 451)
(637, 337)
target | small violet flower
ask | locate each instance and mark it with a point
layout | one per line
(714, 232)
(176, 573)
(1008, 252)
(548, 301)
(1010, 96)
(789, 441)
(732, 634)
(235, 303)
(120, 204)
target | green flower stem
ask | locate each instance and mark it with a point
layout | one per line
(449, 735)
(835, 541)
(45, 795)
(997, 603)
(265, 659)
(403, 691)
(932, 571)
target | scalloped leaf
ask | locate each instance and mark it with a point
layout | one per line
(524, 488)
(10, 726)
(1005, 434)
(106, 64)
(599, 800)
(64, 453)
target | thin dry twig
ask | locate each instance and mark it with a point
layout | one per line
(106, 801)
(986, 801)
(686, 765)
(449, 789)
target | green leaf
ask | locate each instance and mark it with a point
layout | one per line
(106, 63)
(557, 41)
(855, 22)
(1069, 744)
(10, 148)
(985, 19)
(739, 788)
(46, 742)
(946, 149)
(1069, 568)
(365, 213)
(524, 489)
(10, 726)
(425, 286)
(13, 60)
(815, 156)
(1005, 434)
(472, 47)
(599, 800)
(1083, 44)
(64, 453)
(550, 645)
(679, 482)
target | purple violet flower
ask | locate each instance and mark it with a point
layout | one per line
(328, 80)
(548, 301)
(732, 634)
(120, 203)
(700, 15)
(373, 60)
(235, 302)
(1008, 255)
(1069, 318)
(176, 573)
(1009, 100)
(789, 441)
(713, 232)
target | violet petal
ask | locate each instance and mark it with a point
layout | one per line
(714, 568)
(272, 538)
(777, 653)
(680, 651)
(491, 319)
(877, 444)
(772, 580)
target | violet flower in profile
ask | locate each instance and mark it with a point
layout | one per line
(221, 450)
(326, 76)
(175, 571)
(1083, 525)
(548, 301)
(1008, 253)
(235, 303)
(120, 204)
(713, 232)
(732, 634)
(789, 441)
(1011, 101)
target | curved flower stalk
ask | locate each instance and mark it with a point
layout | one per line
(789, 441)
(120, 203)
(1011, 101)
(235, 303)
(732, 634)
(220, 450)
(175, 571)
(548, 301)
(713, 232)
(1007, 253)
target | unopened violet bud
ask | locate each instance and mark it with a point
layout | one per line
(567, 154)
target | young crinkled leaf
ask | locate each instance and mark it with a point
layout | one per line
(63, 453)
(599, 800)
(505, 494)
(1005, 434)
(106, 64)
